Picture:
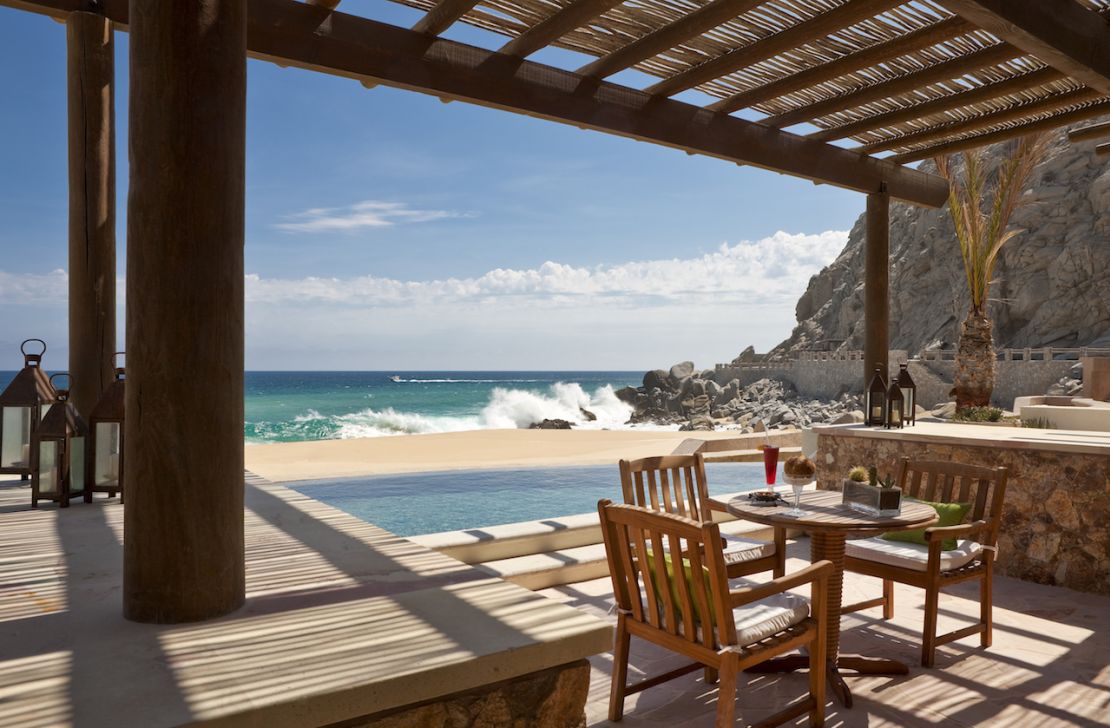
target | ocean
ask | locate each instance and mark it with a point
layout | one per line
(298, 406)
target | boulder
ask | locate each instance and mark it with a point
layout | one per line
(587, 415)
(628, 395)
(551, 424)
(945, 411)
(747, 355)
(680, 371)
(655, 379)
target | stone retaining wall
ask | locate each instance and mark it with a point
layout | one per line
(1056, 519)
(553, 698)
(828, 378)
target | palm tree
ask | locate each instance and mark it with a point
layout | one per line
(982, 218)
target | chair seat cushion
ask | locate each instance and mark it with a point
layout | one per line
(739, 549)
(759, 620)
(911, 555)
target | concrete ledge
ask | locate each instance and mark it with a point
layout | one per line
(478, 545)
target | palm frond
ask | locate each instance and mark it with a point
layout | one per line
(981, 233)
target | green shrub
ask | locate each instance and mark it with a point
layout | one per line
(978, 414)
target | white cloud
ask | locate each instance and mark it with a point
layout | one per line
(631, 315)
(366, 214)
(774, 269)
(34, 289)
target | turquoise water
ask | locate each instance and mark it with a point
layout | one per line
(294, 406)
(431, 502)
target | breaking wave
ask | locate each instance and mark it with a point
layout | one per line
(505, 409)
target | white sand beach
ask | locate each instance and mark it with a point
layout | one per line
(473, 449)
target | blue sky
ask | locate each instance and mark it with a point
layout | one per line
(386, 229)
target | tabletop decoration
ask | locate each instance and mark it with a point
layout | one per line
(865, 492)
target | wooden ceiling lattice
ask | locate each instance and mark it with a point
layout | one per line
(893, 76)
(843, 92)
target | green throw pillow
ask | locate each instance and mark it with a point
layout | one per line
(688, 574)
(950, 514)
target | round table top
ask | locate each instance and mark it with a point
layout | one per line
(825, 512)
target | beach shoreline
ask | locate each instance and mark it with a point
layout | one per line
(486, 449)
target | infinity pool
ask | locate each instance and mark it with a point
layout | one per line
(418, 503)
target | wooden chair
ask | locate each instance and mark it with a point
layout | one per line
(664, 603)
(677, 484)
(929, 567)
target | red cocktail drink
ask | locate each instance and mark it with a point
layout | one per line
(770, 463)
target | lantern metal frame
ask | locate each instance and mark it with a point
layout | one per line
(875, 414)
(30, 389)
(61, 425)
(109, 410)
(909, 395)
(895, 416)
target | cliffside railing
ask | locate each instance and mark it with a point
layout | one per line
(1047, 353)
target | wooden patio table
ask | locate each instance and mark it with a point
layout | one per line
(829, 524)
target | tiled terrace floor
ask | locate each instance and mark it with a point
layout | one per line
(1049, 666)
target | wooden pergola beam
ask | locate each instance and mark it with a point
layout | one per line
(976, 95)
(1094, 131)
(667, 37)
(326, 4)
(1061, 33)
(289, 33)
(557, 25)
(1103, 150)
(804, 32)
(936, 73)
(1053, 121)
(921, 38)
(1054, 102)
(443, 16)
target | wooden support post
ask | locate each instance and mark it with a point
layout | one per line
(90, 72)
(876, 286)
(183, 550)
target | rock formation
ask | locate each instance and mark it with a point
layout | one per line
(701, 401)
(1052, 282)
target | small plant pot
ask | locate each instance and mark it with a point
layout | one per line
(873, 500)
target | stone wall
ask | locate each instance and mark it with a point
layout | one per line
(828, 378)
(552, 698)
(1056, 519)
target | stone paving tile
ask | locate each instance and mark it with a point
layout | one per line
(1049, 666)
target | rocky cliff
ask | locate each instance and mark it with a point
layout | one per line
(1052, 283)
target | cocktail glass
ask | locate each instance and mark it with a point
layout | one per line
(770, 464)
(798, 486)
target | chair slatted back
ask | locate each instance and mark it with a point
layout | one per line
(671, 484)
(948, 482)
(694, 609)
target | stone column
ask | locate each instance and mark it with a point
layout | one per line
(183, 548)
(876, 286)
(90, 72)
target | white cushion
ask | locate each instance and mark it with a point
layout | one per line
(759, 620)
(911, 555)
(739, 549)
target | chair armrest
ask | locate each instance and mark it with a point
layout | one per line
(716, 505)
(939, 533)
(813, 572)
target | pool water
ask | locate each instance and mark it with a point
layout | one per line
(418, 503)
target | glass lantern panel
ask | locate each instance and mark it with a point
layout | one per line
(76, 464)
(50, 466)
(15, 450)
(107, 456)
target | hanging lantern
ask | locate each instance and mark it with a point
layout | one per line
(106, 439)
(58, 456)
(876, 399)
(895, 406)
(22, 406)
(909, 395)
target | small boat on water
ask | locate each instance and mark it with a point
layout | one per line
(395, 378)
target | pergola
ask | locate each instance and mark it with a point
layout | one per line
(878, 84)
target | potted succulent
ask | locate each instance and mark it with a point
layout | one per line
(864, 491)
